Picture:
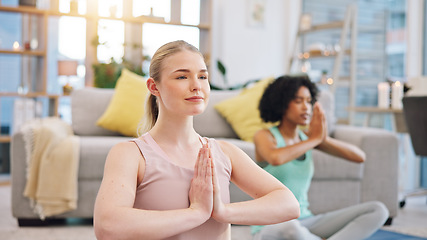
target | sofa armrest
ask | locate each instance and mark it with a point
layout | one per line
(18, 157)
(380, 173)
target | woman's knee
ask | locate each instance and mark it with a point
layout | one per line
(380, 209)
(294, 230)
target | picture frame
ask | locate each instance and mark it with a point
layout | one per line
(256, 13)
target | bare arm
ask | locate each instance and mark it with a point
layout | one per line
(330, 145)
(333, 146)
(273, 202)
(266, 146)
(115, 217)
(342, 149)
(266, 149)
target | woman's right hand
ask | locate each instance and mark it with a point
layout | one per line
(201, 189)
(317, 128)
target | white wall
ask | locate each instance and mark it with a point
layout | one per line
(248, 52)
(414, 46)
(256, 52)
(414, 38)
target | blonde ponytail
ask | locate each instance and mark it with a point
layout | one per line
(151, 112)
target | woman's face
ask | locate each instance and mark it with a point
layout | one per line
(184, 86)
(299, 109)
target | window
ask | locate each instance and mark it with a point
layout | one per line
(71, 46)
(71, 37)
(370, 52)
(190, 12)
(64, 6)
(111, 40)
(102, 34)
(110, 8)
(10, 65)
(157, 8)
(166, 33)
(71, 40)
(396, 43)
(111, 33)
(381, 48)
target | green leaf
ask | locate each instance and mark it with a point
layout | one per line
(221, 67)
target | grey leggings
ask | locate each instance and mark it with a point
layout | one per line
(355, 222)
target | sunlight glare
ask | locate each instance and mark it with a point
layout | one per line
(161, 8)
(190, 12)
(155, 35)
(72, 37)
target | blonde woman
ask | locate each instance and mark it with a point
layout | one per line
(171, 183)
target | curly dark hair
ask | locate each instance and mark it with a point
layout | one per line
(278, 94)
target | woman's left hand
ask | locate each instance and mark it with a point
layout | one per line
(218, 212)
(323, 119)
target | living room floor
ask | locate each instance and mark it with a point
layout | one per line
(411, 219)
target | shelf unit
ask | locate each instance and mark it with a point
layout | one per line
(133, 31)
(347, 47)
(33, 79)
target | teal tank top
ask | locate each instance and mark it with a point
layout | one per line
(296, 175)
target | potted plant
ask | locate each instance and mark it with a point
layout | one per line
(107, 74)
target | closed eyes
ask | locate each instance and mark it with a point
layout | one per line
(301, 100)
(200, 77)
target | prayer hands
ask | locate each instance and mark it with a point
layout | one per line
(201, 189)
(318, 128)
(219, 207)
(205, 190)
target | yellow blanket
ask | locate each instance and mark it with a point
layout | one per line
(52, 166)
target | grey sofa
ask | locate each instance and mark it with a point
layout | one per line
(336, 183)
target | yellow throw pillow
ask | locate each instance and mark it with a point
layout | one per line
(242, 113)
(126, 108)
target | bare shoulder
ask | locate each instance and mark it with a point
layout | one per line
(125, 150)
(125, 147)
(262, 134)
(264, 137)
(227, 147)
(125, 161)
(236, 155)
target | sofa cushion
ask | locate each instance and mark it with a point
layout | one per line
(93, 153)
(328, 167)
(242, 111)
(126, 108)
(329, 195)
(210, 123)
(247, 147)
(87, 105)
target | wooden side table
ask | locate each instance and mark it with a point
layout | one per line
(398, 120)
(408, 161)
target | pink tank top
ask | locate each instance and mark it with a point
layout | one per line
(165, 186)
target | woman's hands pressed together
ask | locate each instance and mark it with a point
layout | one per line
(201, 189)
(205, 193)
(218, 207)
(318, 128)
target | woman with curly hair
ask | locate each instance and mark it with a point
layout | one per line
(291, 101)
